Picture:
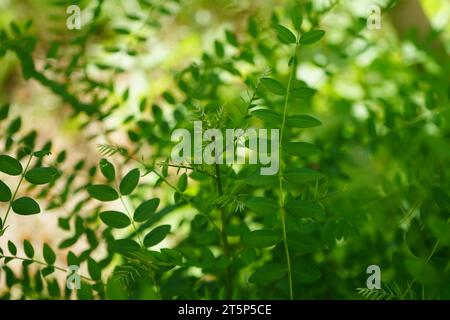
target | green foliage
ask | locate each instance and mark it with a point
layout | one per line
(115, 219)
(156, 235)
(25, 206)
(9, 165)
(145, 210)
(354, 188)
(129, 182)
(102, 192)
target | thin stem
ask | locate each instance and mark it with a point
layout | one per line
(433, 251)
(14, 195)
(191, 168)
(280, 174)
(151, 169)
(223, 234)
(44, 264)
(436, 245)
(132, 221)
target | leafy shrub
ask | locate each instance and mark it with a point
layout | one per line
(303, 233)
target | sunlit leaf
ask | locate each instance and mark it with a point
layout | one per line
(156, 235)
(302, 92)
(25, 206)
(5, 192)
(182, 182)
(107, 169)
(41, 175)
(9, 165)
(49, 254)
(129, 182)
(28, 249)
(311, 36)
(145, 210)
(284, 34)
(274, 86)
(302, 121)
(102, 192)
(115, 219)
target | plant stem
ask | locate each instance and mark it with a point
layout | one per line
(280, 174)
(14, 195)
(151, 169)
(223, 234)
(44, 264)
(132, 221)
(191, 168)
(433, 251)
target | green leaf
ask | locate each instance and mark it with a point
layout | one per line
(4, 111)
(72, 259)
(41, 175)
(414, 238)
(303, 92)
(94, 269)
(304, 209)
(122, 30)
(284, 34)
(301, 149)
(124, 246)
(219, 49)
(268, 116)
(441, 198)
(262, 205)
(12, 248)
(301, 175)
(231, 38)
(107, 169)
(49, 254)
(115, 219)
(267, 274)
(261, 238)
(311, 36)
(28, 249)
(302, 121)
(9, 165)
(102, 192)
(421, 271)
(274, 86)
(156, 235)
(296, 18)
(173, 255)
(301, 243)
(41, 153)
(25, 206)
(182, 183)
(306, 272)
(47, 271)
(14, 126)
(258, 180)
(440, 229)
(68, 242)
(5, 192)
(85, 291)
(129, 182)
(145, 210)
